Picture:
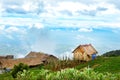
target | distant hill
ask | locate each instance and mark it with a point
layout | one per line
(112, 53)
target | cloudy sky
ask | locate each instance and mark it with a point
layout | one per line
(58, 26)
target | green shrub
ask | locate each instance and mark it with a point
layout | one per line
(18, 68)
(25, 75)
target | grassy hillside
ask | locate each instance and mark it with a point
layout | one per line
(103, 64)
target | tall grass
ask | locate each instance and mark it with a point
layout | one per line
(68, 74)
(62, 64)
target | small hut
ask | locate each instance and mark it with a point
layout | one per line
(85, 52)
(45, 58)
(7, 57)
(32, 59)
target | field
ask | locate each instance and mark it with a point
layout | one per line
(102, 68)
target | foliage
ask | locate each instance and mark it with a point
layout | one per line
(62, 64)
(25, 75)
(68, 74)
(102, 68)
(18, 68)
(112, 53)
(101, 64)
(6, 76)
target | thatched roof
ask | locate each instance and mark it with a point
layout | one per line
(36, 54)
(9, 63)
(88, 48)
(7, 57)
(32, 59)
(2, 57)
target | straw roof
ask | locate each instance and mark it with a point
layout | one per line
(88, 48)
(2, 57)
(7, 57)
(32, 59)
(11, 62)
(36, 54)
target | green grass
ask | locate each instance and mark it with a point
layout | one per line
(6, 76)
(103, 64)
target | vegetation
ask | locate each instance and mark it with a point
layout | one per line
(18, 68)
(112, 53)
(100, 64)
(62, 64)
(103, 64)
(101, 68)
(67, 74)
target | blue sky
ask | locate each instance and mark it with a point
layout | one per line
(58, 26)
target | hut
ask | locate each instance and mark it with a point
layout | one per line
(7, 57)
(9, 64)
(46, 58)
(85, 52)
(32, 59)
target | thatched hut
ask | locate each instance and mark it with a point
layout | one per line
(32, 59)
(84, 52)
(46, 58)
(7, 57)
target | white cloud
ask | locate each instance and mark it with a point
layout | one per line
(22, 6)
(111, 9)
(12, 29)
(38, 25)
(13, 32)
(74, 7)
(1, 9)
(9, 36)
(74, 13)
(105, 14)
(19, 55)
(115, 2)
(2, 27)
(27, 6)
(54, 6)
(85, 30)
(43, 45)
(20, 21)
(84, 38)
(71, 6)
(110, 24)
(33, 6)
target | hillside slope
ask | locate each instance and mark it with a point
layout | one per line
(103, 64)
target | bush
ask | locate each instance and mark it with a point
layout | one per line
(68, 74)
(25, 75)
(18, 68)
